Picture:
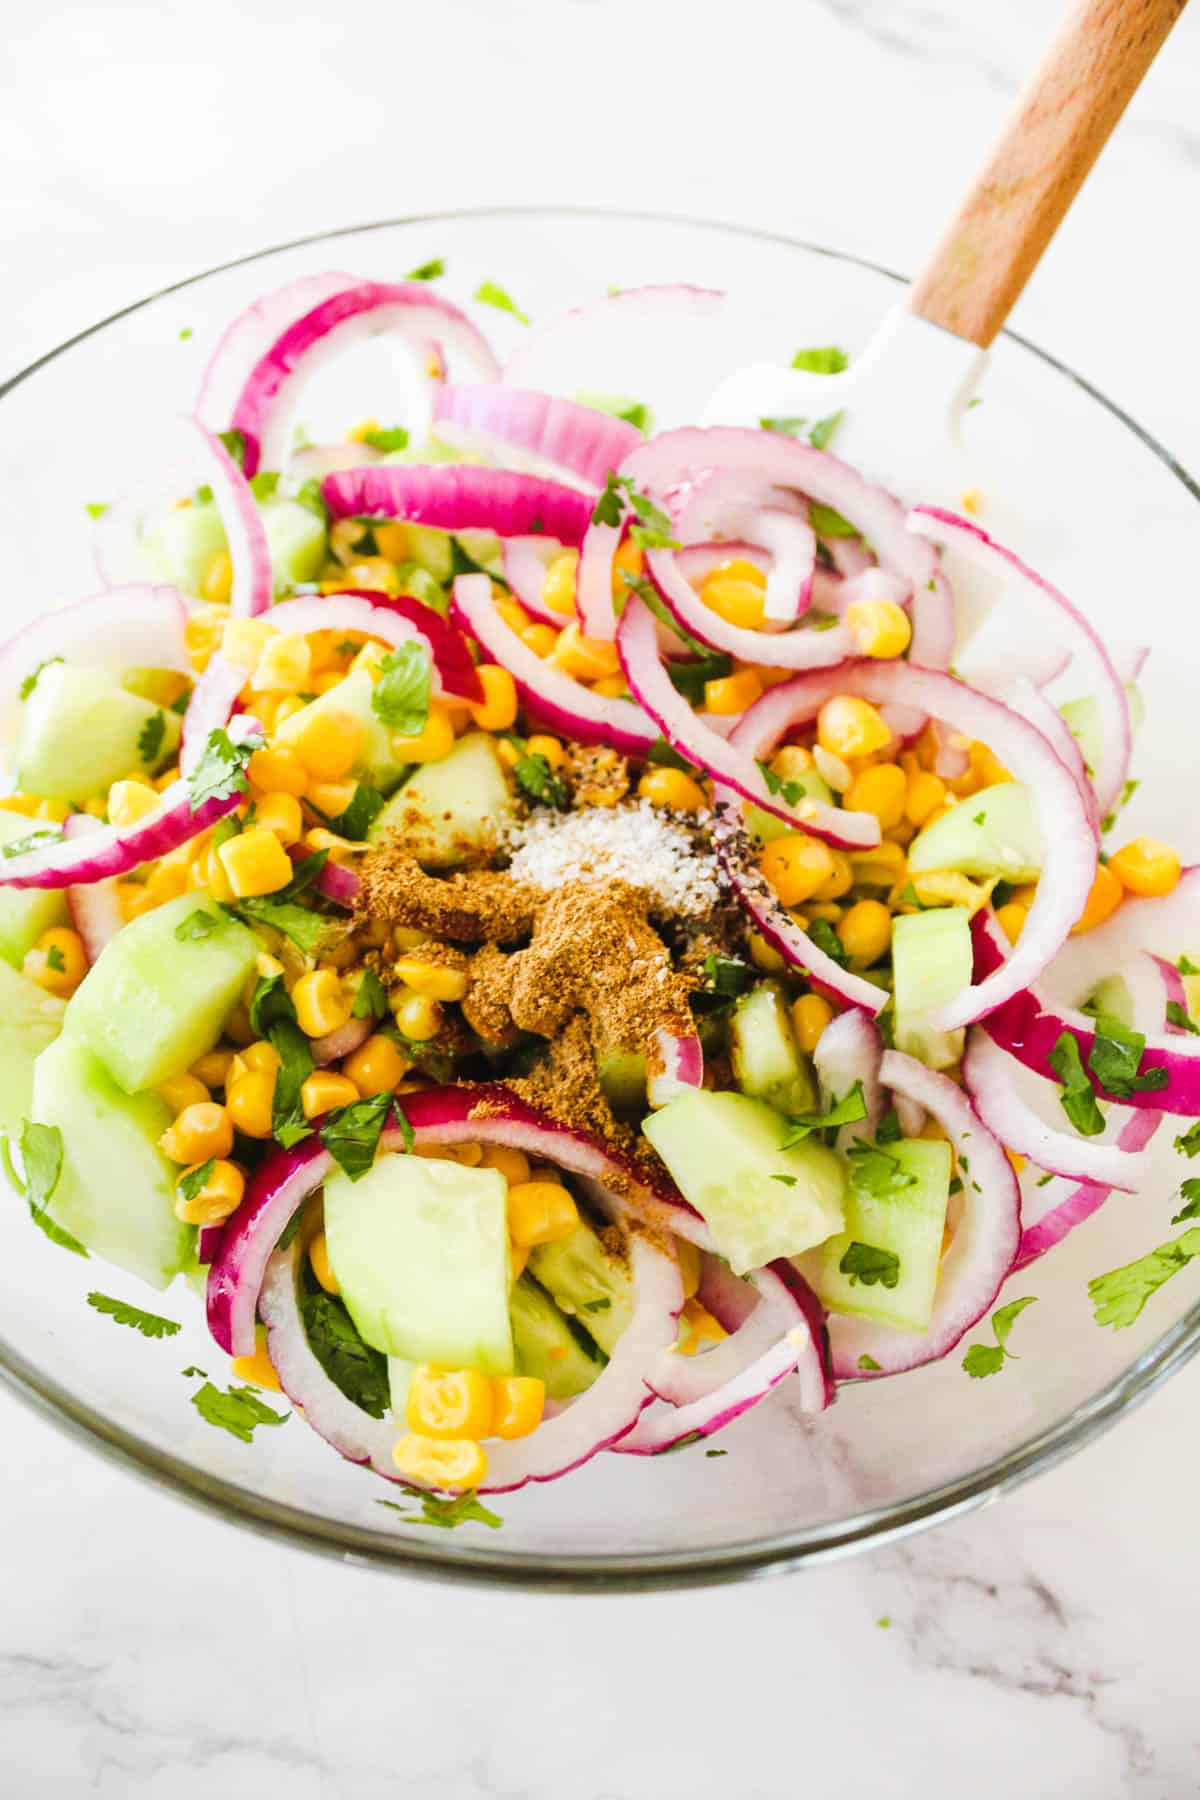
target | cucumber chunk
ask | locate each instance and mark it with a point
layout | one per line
(1085, 725)
(931, 962)
(587, 1282)
(296, 539)
(764, 827)
(623, 1077)
(25, 912)
(80, 733)
(116, 1192)
(420, 1250)
(376, 764)
(907, 1224)
(153, 1002)
(449, 809)
(767, 1064)
(400, 1374)
(431, 550)
(760, 1200)
(181, 542)
(1111, 997)
(995, 832)
(545, 1344)
(31, 1019)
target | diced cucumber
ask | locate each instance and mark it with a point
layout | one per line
(400, 1374)
(767, 1064)
(80, 733)
(1111, 997)
(182, 541)
(545, 1344)
(420, 1250)
(296, 539)
(446, 810)
(623, 1077)
(764, 827)
(30, 1018)
(907, 1224)
(585, 1280)
(431, 550)
(760, 1200)
(353, 695)
(1087, 728)
(994, 832)
(116, 1192)
(25, 912)
(931, 963)
(154, 1001)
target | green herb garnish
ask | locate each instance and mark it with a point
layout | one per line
(492, 294)
(352, 1135)
(370, 1002)
(42, 1161)
(401, 696)
(221, 770)
(31, 680)
(1119, 1296)
(870, 1265)
(427, 271)
(877, 1171)
(197, 925)
(240, 1411)
(151, 1325)
(465, 1510)
(847, 1111)
(360, 1371)
(393, 437)
(827, 360)
(1078, 1097)
(1116, 1058)
(988, 1359)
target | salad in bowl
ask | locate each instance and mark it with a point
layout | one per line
(551, 928)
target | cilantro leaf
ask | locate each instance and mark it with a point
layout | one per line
(824, 429)
(596, 1306)
(868, 1363)
(982, 1360)
(309, 495)
(96, 509)
(534, 776)
(826, 938)
(185, 332)
(1116, 1058)
(828, 523)
(31, 680)
(876, 1171)
(269, 1004)
(194, 1181)
(288, 1123)
(665, 756)
(1078, 1097)
(492, 294)
(790, 792)
(689, 678)
(786, 427)
(401, 696)
(235, 444)
(393, 438)
(787, 1180)
(827, 360)
(610, 502)
(370, 1002)
(637, 414)
(1189, 1192)
(889, 1128)
(197, 925)
(869, 1264)
(847, 1111)
(264, 484)
(151, 1325)
(360, 815)
(240, 1411)
(427, 271)
(308, 930)
(1179, 1015)
(42, 1160)
(652, 530)
(360, 1371)
(465, 1510)
(1119, 1296)
(352, 1135)
(1186, 966)
(55, 960)
(1127, 793)
(221, 770)
(1189, 1143)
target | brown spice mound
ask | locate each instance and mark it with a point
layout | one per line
(479, 906)
(565, 1084)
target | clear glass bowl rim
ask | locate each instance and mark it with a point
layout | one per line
(461, 1561)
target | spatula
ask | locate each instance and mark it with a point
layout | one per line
(903, 397)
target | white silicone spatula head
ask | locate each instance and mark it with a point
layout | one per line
(902, 397)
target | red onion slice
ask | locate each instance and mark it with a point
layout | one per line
(1067, 624)
(848, 1050)
(771, 1312)
(213, 700)
(680, 1065)
(803, 649)
(249, 553)
(578, 438)
(252, 334)
(1046, 1220)
(395, 620)
(980, 1254)
(95, 911)
(1033, 705)
(342, 1042)
(270, 393)
(526, 561)
(461, 497)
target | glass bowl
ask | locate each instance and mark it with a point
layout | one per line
(1099, 505)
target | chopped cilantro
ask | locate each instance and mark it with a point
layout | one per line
(198, 924)
(790, 792)
(221, 770)
(235, 445)
(370, 1002)
(1189, 1193)
(1179, 1015)
(786, 427)
(264, 484)
(307, 929)
(31, 680)
(638, 415)
(427, 271)
(1186, 966)
(889, 1128)
(401, 696)
(309, 495)
(195, 1180)
(41, 1160)
(716, 1453)
(185, 332)
(360, 1371)
(822, 934)
(96, 509)
(492, 294)
(352, 1135)
(535, 778)
(394, 437)
(1116, 1058)
(824, 429)
(787, 1180)
(653, 528)
(596, 1306)
(868, 1264)
(150, 737)
(876, 1170)
(1189, 1143)
(151, 1325)
(288, 1123)
(240, 1411)
(1119, 1296)
(988, 1359)
(1078, 1097)
(725, 979)
(827, 360)
(667, 757)
(465, 1510)
(828, 523)
(847, 1111)
(55, 960)
(193, 1373)
(690, 678)
(868, 1364)
(360, 815)
(978, 818)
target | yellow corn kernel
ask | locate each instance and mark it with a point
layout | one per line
(512, 1164)
(1146, 866)
(1016, 1159)
(879, 627)
(736, 601)
(881, 790)
(540, 1212)
(518, 1402)
(258, 1369)
(497, 711)
(613, 686)
(212, 1068)
(167, 882)
(796, 865)
(277, 771)
(376, 1067)
(286, 662)
(26, 804)
(689, 1266)
(811, 1013)
(182, 1091)
(216, 584)
(218, 1196)
(255, 863)
(371, 658)
(58, 961)
(321, 1002)
(279, 813)
(987, 767)
(865, 931)
(237, 1068)
(848, 726)
(129, 801)
(926, 793)
(245, 640)
(585, 658)
(629, 560)
(329, 743)
(392, 540)
(950, 887)
(883, 866)
(317, 838)
(434, 979)
(1106, 895)
(508, 753)
(518, 1256)
(431, 744)
(322, 1268)
(791, 761)
(417, 1016)
(323, 1091)
(457, 1463)
(549, 747)
(541, 639)
(672, 788)
(732, 693)
(840, 882)
(449, 1403)
(765, 956)
(697, 1326)
(558, 589)
(202, 1130)
(514, 615)
(249, 1100)
(331, 797)
(261, 1055)
(1011, 920)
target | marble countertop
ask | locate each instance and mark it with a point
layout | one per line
(1042, 1646)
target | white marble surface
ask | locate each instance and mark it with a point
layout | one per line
(1045, 1646)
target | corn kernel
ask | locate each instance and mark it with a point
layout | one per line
(791, 761)
(323, 1092)
(218, 1196)
(840, 881)
(732, 693)
(514, 615)
(518, 1256)
(417, 1016)
(879, 627)
(279, 813)
(167, 882)
(512, 1164)
(1016, 1159)
(392, 540)
(277, 771)
(322, 1268)
(255, 863)
(541, 639)
(129, 801)
(58, 961)
(449, 1403)
(261, 1055)
(689, 1266)
(216, 584)
(765, 956)
(1146, 866)
(376, 1066)
(457, 1463)
(434, 979)
(329, 743)
(434, 741)
(540, 1212)
(321, 1002)
(257, 1369)
(950, 887)
(249, 1101)
(629, 560)
(738, 602)
(811, 1013)
(881, 790)
(518, 1402)
(1107, 893)
(371, 658)
(926, 793)
(865, 931)
(585, 658)
(286, 662)
(796, 865)
(497, 711)
(202, 1130)
(549, 747)
(558, 589)
(508, 753)
(331, 797)
(1011, 920)
(182, 1091)
(848, 726)
(674, 789)
(212, 1068)
(614, 686)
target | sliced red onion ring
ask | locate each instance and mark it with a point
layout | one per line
(252, 334)
(315, 461)
(95, 911)
(578, 438)
(981, 1252)
(115, 849)
(803, 649)
(249, 552)
(1070, 849)
(771, 1311)
(393, 618)
(213, 700)
(1047, 1220)
(988, 1073)
(1041, 713)
(632, 312)
(1068, 624)
(124, 628)
(679, 1066)
(270, 393)
(849, 1050)
(526, 560)
(561, 702)
(342, 1042)
(339, 884)
(1174, 990)
(461, 497)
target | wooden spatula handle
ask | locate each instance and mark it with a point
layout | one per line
(1057, 129)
